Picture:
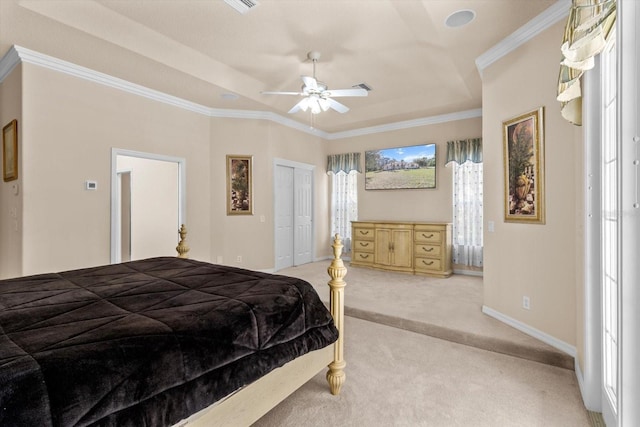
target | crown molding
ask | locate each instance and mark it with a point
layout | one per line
(17, 54)
(8, 62)
(425, 121)
(528, 31)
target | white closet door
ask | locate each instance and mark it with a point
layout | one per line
(284, 177)
(303, 202)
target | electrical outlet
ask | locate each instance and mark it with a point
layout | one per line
(526, 303)
(239, 259)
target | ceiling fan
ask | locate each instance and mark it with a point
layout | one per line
(317, 96)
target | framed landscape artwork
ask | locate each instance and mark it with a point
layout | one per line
(523, 143)
(10, 151)
(407, 167)
(239, 185)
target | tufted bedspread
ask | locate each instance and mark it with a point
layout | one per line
(146, 343)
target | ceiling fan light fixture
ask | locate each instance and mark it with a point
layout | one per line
(460, 18)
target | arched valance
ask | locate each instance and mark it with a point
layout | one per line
(343, 162)
(464, 150)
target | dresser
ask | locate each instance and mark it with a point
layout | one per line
(410, 247)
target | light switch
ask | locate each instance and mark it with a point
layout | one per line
(492, 226)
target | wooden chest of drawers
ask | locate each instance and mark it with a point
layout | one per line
(412, 247)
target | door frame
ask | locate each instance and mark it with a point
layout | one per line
(293, 164)
(115, 192)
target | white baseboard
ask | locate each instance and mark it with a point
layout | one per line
(477, 273)
(537, 334)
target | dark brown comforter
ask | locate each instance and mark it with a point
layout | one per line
(146, 343)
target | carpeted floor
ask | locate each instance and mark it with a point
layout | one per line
(399, 374)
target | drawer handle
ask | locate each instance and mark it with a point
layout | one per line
(427, 250)
(364, 256)
(427, 263)
(427, 237)
(364, 232)
(364, 244)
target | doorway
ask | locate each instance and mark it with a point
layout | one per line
(147, 204)
(293, 213)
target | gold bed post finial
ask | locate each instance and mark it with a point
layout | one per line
(182, 247)
(337, 271)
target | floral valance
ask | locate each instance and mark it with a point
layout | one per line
(343, 162)
(464, 150)
(589, 24)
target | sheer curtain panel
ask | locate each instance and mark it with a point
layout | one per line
(344, 169)
(466, 158)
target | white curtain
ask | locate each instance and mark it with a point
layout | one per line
(466, 157)
(585, 35)
(344, 205)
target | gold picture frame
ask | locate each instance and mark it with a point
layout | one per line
(10, 151)
(523, 148)
(239, 185)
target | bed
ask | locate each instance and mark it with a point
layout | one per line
(163, 341)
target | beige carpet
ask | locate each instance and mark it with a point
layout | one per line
(448, 308)
(416, 352)
(400, 378)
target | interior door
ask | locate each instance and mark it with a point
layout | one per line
(284, 224)
(303, 202)
(293, 213)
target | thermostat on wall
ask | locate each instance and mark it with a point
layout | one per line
(91, 185)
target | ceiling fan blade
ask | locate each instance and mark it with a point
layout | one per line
(340, 108)
(302, 105)
(310, 82)
(347, 92)
(280, 93)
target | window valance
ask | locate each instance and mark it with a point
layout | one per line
(343, 162)
(589, 24)
(464, 150)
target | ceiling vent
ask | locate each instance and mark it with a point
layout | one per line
(363, 86)
(242, 6)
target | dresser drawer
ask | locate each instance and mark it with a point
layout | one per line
(363, 246)
(428, 236)
(360, 233)
(362, 257)
(424, 250)
(428, 264)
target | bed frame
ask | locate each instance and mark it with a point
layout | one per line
(247, 405)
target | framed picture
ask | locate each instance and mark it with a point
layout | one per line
(239, 185)
(400, 168)
(10, 151)
(524, 168)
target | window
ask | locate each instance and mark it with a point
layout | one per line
(343, 169)
(344, 205)
(466, 156)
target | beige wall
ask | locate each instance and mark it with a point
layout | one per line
(11, 203)
(410, 205)
(154, 206)
(539, 261)
(246, 235)
(71, 126)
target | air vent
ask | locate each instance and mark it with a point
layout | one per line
(364, 86)
(242, 6)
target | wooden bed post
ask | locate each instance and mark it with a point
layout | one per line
(182, 247)
(337, 271)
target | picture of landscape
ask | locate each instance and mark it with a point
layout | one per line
(401, 168)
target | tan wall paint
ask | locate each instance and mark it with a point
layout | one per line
(72, 126)
(410, 205)
(10, 203)
(523, 259)
(154, 191)
(246, 235)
